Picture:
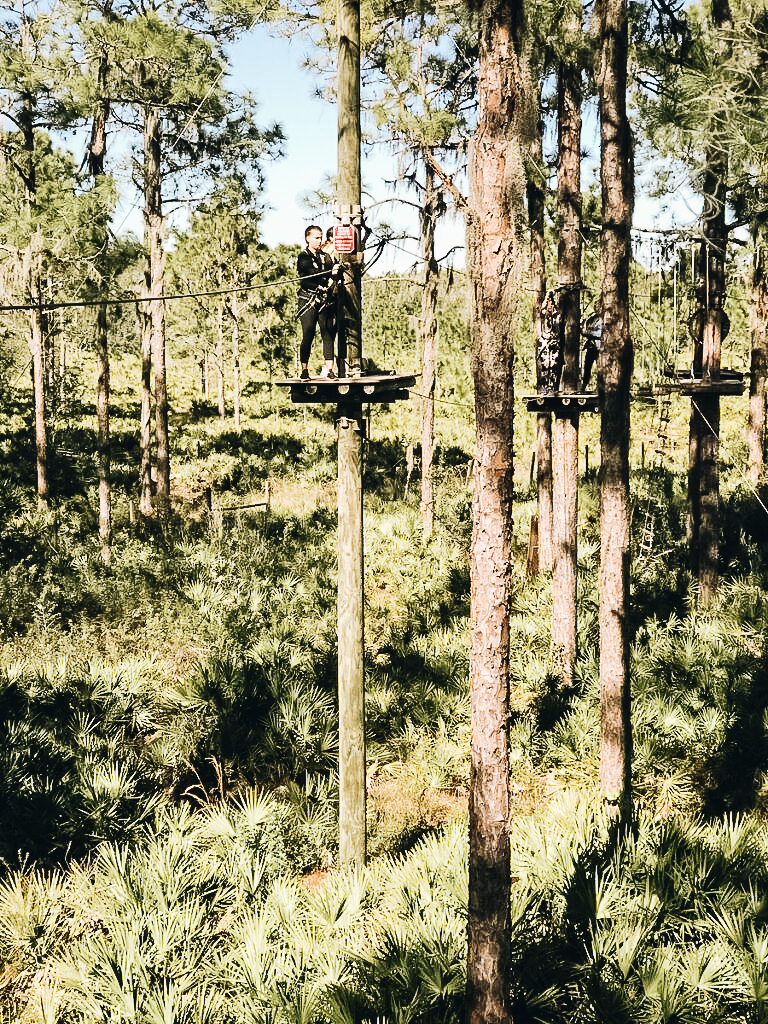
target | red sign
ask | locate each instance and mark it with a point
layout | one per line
(344, 238)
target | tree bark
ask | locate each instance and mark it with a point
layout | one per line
(566, 441)
(704, 436)
(32, 274)
(431, 209)
(535, 193)
(102, 412)
(96, 156)
(220, 357)
(496, 233)
(153, 279)
(49, 341)
(145, 439)
(62, 367)
(33, 260)
(709, 328)
(758, 322)
(234, 307)
(614, 376)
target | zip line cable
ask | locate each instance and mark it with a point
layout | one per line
(90, 303)
(179, 136)
(741, 472)
(441, 401)
(127, 301)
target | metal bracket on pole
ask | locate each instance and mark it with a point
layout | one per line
(357, 424)
(346, 214)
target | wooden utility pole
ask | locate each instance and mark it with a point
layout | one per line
(350, 431)
(349, 391)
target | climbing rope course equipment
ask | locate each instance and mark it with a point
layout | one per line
(662, 254)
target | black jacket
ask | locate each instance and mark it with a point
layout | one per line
(314, 271)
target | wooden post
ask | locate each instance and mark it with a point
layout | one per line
(351, 681)
(532, 566)
(352, 837)
(349, 210)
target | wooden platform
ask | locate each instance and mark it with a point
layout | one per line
(563, 403)
(682, 382)
(380, 387)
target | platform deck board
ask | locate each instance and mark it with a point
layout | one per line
(380, 387)
(562, 402)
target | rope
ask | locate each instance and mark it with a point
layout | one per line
(741, 472)
(653, 506)
(441, 401)
(89, 303)
(93, 303)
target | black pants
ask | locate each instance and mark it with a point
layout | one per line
(309, 318)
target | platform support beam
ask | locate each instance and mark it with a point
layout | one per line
(352, 838)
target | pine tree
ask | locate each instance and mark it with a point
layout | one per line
(758, 367)
(566, 432)
(536, 196)
(31, 107)
(614, 377)
(705, 94)
(166, 69)
(98, 79)
(422, 77)
(496, 256)
(220, 252)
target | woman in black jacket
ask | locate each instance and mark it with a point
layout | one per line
(317, 292)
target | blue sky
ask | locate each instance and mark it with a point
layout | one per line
(269, 66)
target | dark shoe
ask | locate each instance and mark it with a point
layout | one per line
(304, 375)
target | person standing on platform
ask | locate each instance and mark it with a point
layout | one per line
(315, 269)
(328, 247)
(334, 294)
(593, 332)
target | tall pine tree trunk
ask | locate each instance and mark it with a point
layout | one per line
(220, 355)
(709, 328)
(704, 435)
(614, 377)
(145, 473)
(236, 357)
(102, 413)
(432, 208)
(154, 281)
(32, 274)
(96, 155)
(758, 322)
(495, 227)
(49, 341)
(33, 260)
(535, 193)
(62, 366)
(566, 440)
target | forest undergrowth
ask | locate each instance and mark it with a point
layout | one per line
(169, 748)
